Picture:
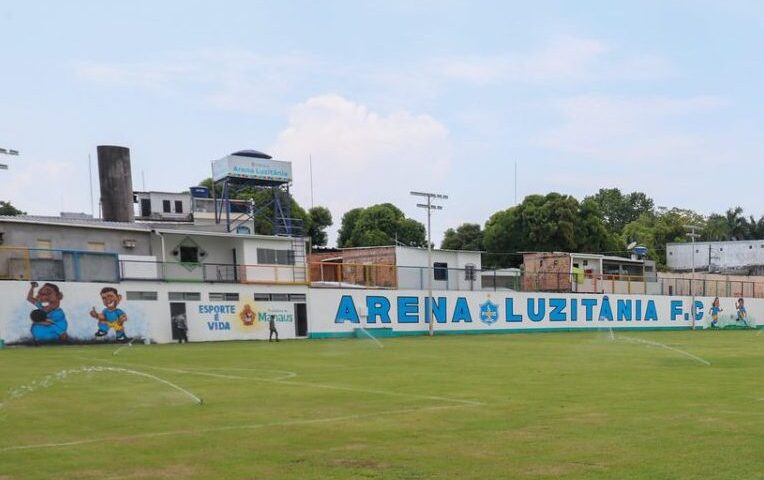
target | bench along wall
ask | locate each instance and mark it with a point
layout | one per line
(213, 312)
(336, 313)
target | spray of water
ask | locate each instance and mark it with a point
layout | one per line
(128, 344)
(368, 334)
(50, 380)
(662, 345)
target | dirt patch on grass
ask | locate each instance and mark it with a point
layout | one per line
(358, 463)
(565, 468)
(167, 472)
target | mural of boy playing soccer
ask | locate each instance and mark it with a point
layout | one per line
(111, 316)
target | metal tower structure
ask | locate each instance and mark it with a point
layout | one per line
(255, 170)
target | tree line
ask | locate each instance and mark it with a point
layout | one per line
(606, 222)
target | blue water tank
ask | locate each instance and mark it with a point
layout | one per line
(200, 192)
(640, 250)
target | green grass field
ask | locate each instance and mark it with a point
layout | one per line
(567, 405)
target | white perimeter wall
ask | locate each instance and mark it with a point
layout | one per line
(207, 320)
(331, 311)
(335, 312)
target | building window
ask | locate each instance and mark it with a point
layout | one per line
(189, 254)
(96, 247)
(166, 206)
(141, 295)
(188, 296)
(469, 272)
(178, 206)
(296, 297)
(269, 256)
(440, 271)
(224, 297)
(278, 297)
(44, 245)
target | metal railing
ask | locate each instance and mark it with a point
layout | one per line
(22, 263)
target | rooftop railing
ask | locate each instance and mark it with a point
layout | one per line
(21, 263)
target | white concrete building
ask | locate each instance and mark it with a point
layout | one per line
(741, 256)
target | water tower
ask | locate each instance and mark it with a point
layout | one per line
(256, 170)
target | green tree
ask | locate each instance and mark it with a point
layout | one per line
(553, 222)
(349, 219)
(737, 225)
(383, 224)
(666, 226)
(467, 236)
(321, 219)
(9, 210)
(618, 209)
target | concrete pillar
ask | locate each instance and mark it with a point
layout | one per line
(116, 183)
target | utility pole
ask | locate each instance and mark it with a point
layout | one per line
(431, 271)
(693, 236)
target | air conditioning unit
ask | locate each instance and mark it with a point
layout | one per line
(128, 243)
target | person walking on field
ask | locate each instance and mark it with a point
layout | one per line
(182, 327)
(272, 328)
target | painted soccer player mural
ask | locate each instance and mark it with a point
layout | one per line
(111, 316)
(48, 320)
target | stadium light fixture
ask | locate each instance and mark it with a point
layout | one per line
(429, 207)
(7, 151)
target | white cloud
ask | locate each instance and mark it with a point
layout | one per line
(362, 157)
(229, 80)
(562, 59)
(617, 129)
(39, 189)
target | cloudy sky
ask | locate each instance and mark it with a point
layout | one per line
(387, 97)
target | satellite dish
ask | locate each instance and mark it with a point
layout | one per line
(631, 245)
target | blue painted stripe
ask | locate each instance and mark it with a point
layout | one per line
(412, 333)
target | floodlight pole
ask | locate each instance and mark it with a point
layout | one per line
(431, 271)
(7, 151)
(693, 236)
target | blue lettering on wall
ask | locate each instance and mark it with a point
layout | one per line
(558, 310)
(378, 307)
(346, 312)
(408, 310)
(536, 314)
(638, 310)
(509, 307)
(623, 310)
(676, 309)
(461, 311)
(651, 313)
(606, 311)
(573, 309)
(698, 310)
(589, 304)
(439, 309)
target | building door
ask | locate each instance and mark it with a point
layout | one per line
(145, 207)
(301, 320)
(176, 309)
